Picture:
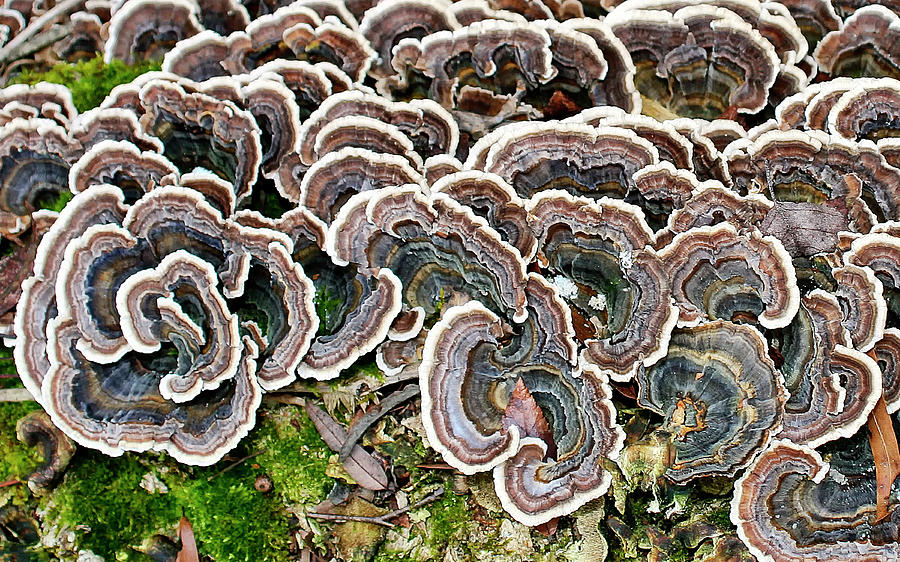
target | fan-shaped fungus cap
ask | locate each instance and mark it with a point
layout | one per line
(436, 248)
(584, 160)
(867, 45)
(720, 395)
(200, 131)
(124, 165)
(36, 429)
(672, 146)
(717, 273)
(494, 200)
(430, 128)
(332, 180)
(833, 388)
(38, 95)
(861, 296)
(146, 29)
(742, 64)
(870, 110)
(504, 56)
(789, 505)
(712, 204)
(815, 18)
(599, 253)
(467, 375)
(37, 305)
(35, 157)
(332, 42)
(198, 57)
(84, 40)
(389, 22)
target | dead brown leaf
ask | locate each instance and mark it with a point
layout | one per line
(188, 552)
(367, 471)
(887, 456)
(524, 413)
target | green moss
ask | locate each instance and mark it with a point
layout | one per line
(294, 455)
(449, 516)
(231, 520)
(89, 81)
(16, 461)
(101, 497)
(326, 306)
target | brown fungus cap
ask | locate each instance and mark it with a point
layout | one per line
(437, 248)
(790, 505)
(583, 160)
(468, 377)
(715, 272)
(867, 45)
(494, 200)
(143, 30)
(598, 253)
(124, 165)
(720, 395)
(389, 22)
(186, 122)
(833, 387)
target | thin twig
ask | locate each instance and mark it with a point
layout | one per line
(11, 482)
(383, 520)
(234, 464)
(15, 395)
(62, 9)
(406, 375)
(363, 423)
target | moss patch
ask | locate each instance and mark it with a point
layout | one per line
(102, 500)
(89, 81)
(17, 460)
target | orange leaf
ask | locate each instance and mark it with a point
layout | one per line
(188, 552)
(886, 453)
(524, 413)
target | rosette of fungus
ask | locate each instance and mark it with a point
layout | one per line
(124, 165)
(475, 371)
(869, 110)
(791, 505)
(599, 255)
(144, 349)
(720, 395)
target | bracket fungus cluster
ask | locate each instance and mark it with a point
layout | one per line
(689, 208)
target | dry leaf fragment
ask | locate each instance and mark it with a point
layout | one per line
(883, 442)
(188, 552)
(367, 471)
(524, 413)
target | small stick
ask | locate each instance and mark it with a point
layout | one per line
(363, 423)
(61, 9)
(234, 464)
(15, 395)
(11, 482)
(382, 520)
